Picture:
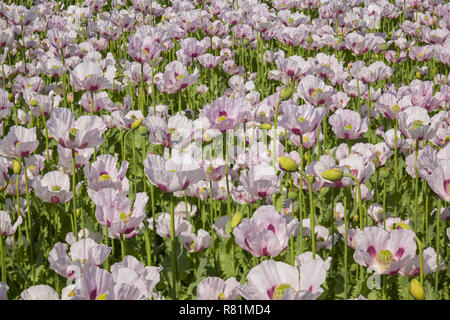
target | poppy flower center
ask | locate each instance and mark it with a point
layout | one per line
(104, 177)
(125, 217)
(416, 124)
(348, 127)
(395, 108)
(301, 119)
(56, 188)
(221, 296)
(101, 297)
(280, 290)
(221, 118)
(73, 132)
(384, 257)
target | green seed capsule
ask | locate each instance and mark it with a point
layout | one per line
(16, 166)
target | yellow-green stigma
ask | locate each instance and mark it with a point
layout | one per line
(125, 217)
(101, 297)
(56, 188)
(221, 118)
(395, 108)
(348, 127)
(280, 291)
(221, 296)
(73, 132)
(301, 119)
(384, 257)
(416, 124)
(104, 177)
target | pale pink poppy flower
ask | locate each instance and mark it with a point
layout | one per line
(175, 78)
(163, 225)
(181, 207)
(240, 195)
(126, 121)
(192, 47)
(422, 95)
(54, 187)
(85, 132)
(389, 106)
(415, 123)
(439, 180)
(384, 252)
(196, 243)
(6, 227)
(175, 174)
(275, 280)
(82, 255)
(375, 211)
(224, 114)
(260, 181)
(351, 233)
(89, 76)
(366, 193)
(351, 88)
(39, 103)
(426, 162)
(94, 235)
(103, 173)
(176, 132)
(214, 288)
(412, 268)
(265, 234)
(19, 142)
(314, 90)
(358, 167)
(220, 227)
(101, 101)
(114, 210)
(39, 292)
(209, 61)
(82, 156)
(132, 272)
(93, 285)
(347, 124)
(301, 119)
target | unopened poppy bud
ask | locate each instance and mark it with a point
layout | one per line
(16, 166)
(70, 97)
(287, 164)
(355, 218)
(78, 212)
(334, 174)
(11, 97)
(236, 219)
(266, 126)
(286, 93)
(384, 47)
(136, 123)
(416, 290)
(246, 42)
(293, 193)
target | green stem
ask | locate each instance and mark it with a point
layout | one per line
(416, 191)
(172, 240)
(27, 190)
(2, 247)
(75, 229)
(438, 240)
(122, 245)
(345, 250)
(107, 244)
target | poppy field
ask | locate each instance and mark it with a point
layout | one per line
(223, 150)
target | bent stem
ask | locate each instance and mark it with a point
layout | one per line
(2, 249)
(420, 247)
(357, 199)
